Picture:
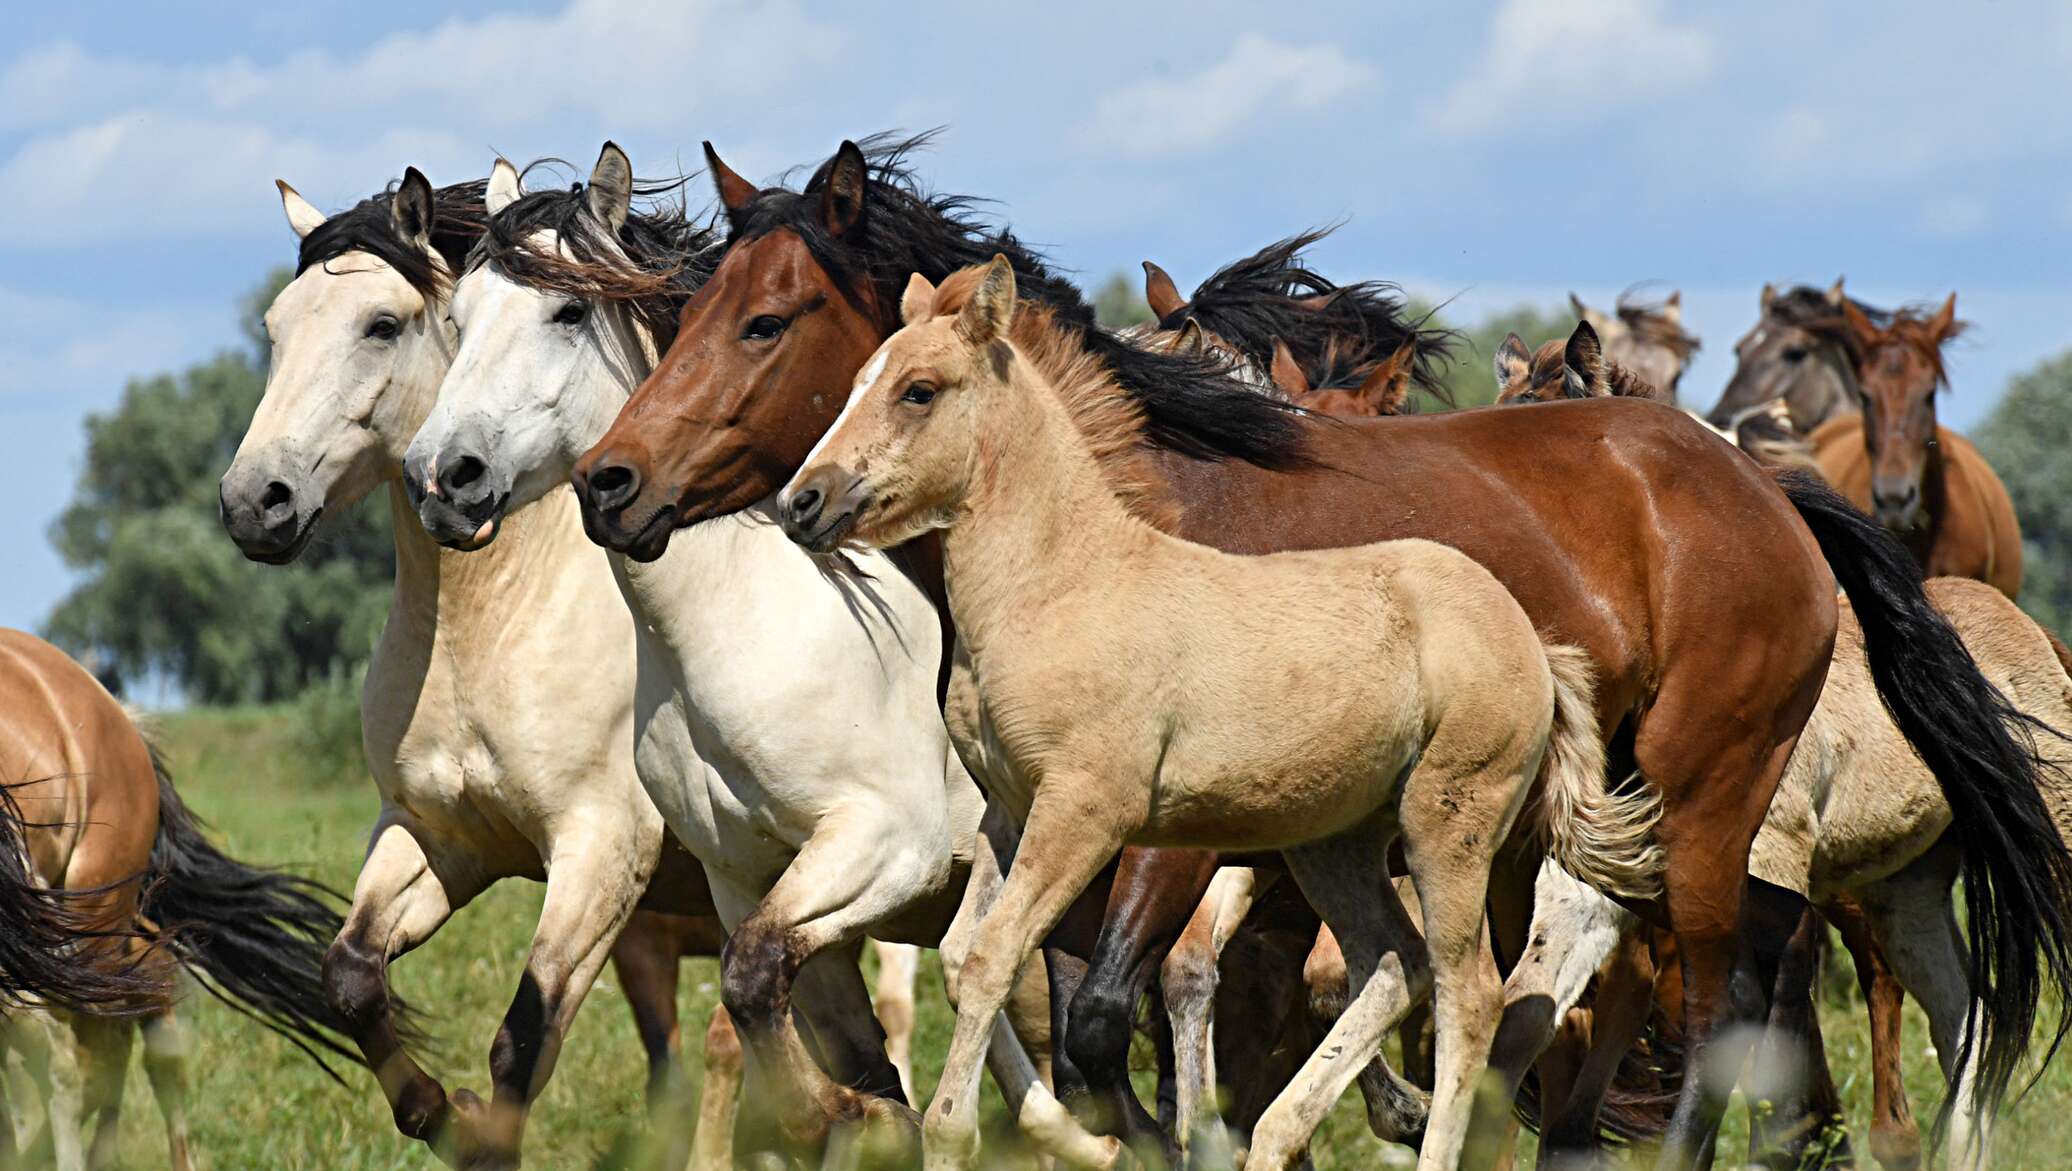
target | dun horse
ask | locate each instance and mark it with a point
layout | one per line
(153, 892)
(1924, 482)
(1673, 542)
(500, 748)
(1645, 337)
(1111, 680)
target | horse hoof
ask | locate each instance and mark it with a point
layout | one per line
(476, 1136)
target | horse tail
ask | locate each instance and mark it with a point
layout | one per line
(1984, 755)
(48, 952)
(254, 937)
(1605, 839)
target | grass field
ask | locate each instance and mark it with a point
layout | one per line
(258, 1104)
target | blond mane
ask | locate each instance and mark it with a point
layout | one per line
(1109, 421)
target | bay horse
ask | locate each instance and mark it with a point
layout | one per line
(1794, 354)
(1113, 683)
(1659, 561)
(500, 749)
(851, 815)
(1646, 337)
(151, 894)
(1924, 482)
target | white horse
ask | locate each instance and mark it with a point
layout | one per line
(787, 724)
(501, 748)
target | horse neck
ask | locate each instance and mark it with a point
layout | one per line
(1040, 521)
(444, 594)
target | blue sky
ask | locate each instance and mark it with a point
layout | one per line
(1500, 152)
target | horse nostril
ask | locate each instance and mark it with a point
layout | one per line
(613, 485)
(805, 506)
(277, 497)
(459, 474)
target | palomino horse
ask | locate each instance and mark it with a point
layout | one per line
(1624, 531)
(1793, 354)
(1859, 815)
(106, 822)
(849, 815)
(1925, 483)
(500, 748)
(1645, 337)
(1111, 681)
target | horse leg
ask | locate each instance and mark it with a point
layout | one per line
(646, 959)
(1790, 1074)
(165, 1062)
(401, 899)
(1914, 921)
(1189, 978)
(1395, 1104)
(1619, 1011)
(1070, 836)
(899, 965)
(594, 878)
(106, 1041)
(1895, 1138)
(52, 1061)
(719, 1099)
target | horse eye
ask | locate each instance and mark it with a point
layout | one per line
(1795, 354)
(920, 394)
(571, 314)
(764, 328)
(384, 328)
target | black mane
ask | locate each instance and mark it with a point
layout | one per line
(369, 226)
(1273, 294)
(1191, 403)
(1805, 305)
(672, 254)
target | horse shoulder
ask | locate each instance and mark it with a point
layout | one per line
(1844, 461)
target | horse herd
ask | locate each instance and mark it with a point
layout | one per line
(1186, 660)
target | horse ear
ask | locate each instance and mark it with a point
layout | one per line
(985, 317)
(1769, 295)
(735, 193)
(1513, 361)
(1386, 389)
(1944, 323)
(503, 190)
(302, 217)
(1191, 339)
(1286, 372)
(1859, 324)
(610, 194)
(1834, 292)
(1160, 293)
(412, 207)
(841, 203)
(1672, 309)
(917, 304)
(1584, 358)
(1582, 311)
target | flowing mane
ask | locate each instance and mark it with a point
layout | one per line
(369, 226)
(1190, 402)
(1111, 423)
(1910, 327)
(1651, 322)
(1337, 333)
(671, 254)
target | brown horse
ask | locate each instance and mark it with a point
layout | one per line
(1574, 368)
(1623, 529)
(108, 823)
(1924, 482)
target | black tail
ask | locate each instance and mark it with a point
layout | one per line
(2017, 875)
(47, 950)
(254, 937)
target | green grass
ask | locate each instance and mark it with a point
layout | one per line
(257, 1103)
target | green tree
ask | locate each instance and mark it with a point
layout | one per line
(163, 590)
(1469, 376)
(2028, 440)
(1119, 302)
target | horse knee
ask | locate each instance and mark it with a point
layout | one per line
(756, 972)
(1097, 1035)
(356, 982)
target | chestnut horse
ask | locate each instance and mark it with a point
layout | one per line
(1924, 482)
(108, 824)
(1695, 583)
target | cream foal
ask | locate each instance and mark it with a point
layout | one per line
(1114, 684)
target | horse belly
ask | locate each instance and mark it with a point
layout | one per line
(1300, 789)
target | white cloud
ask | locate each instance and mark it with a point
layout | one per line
(1574, 57)
(199, 144)
(1259, 80)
